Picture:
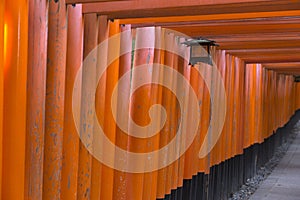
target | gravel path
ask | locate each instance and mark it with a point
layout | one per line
(252, 184)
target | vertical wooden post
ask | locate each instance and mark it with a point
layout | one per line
(112, 72)
(2, 8)
(184, 69)
(227, 133)
(298, 95)
(86, 117)
(248, 138)
(163, 185)
(150, 179)
(120, 182)
(69, 172)
(139, 107)
(221, 60)
(55, 93)
(192, 151)
(258, 100)
(36, 87)
(240, 69)
(231, 109)
(216, 151)
(197, 84)
(14, 104)
(103, 30)
(171, 61)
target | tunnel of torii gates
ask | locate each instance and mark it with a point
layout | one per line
(99, 99)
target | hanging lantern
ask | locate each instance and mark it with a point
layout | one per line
(200, 50)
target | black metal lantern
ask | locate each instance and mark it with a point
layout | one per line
(297, 79)
(200, 50)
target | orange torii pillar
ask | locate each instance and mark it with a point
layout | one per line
(109, 128)
(2, 5)
(96, 173)
(55, 93)
(163, 186)
(139, 106)
(36, 88)
(14, 101)
(150, 183)
(69, 174)
(120, 182)
(298, 95)
(86, 117)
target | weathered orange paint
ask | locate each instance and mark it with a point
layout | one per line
(86, 117)
(55, 93)
(74, 50)
(259, 101)
(36, 90)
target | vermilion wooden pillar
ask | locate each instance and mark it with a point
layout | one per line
(221, 66)
(120, 181)
(207, 98)
(232, 111)
(198, 84)
(14, 104)
(2, 5)
(184, 68)
(139, 107)
(36, 88)
(247, 137)
(112, 72)
(69, 172)
(216, 55)
(55, 99)
(163, 186)
(103, 30)
(171, 60)
(239, 88)
(258, 110)
(189, 161)
(298, 95)
(150, 179)
(86, 117)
